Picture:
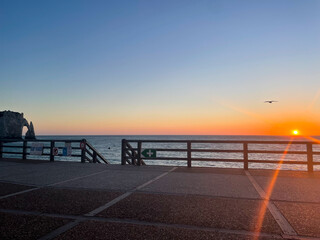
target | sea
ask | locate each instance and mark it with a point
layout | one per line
(110, 147)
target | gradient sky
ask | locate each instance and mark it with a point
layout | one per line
(162, 67)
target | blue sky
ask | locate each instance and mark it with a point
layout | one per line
(120, 59)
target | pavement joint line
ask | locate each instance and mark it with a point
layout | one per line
(20, 212)
(109, 204)
(196, 195)
(82, 218)
(128, 193)
(49, 185)
(162, 193)
(290, 237)
(259, 189)
(18, 183)
(301, 202)
(155, 179)
(18, 193)
(76, 178)
(220, 196)
(68, 226)
(78, 219)
(277, 215)
(190, 227)
(60, 230)
(34, 213)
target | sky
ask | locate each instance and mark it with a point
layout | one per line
(162, 67)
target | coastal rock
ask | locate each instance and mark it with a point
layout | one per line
(11, 125)
(30, 133)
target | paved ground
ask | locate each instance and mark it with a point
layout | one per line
(61, 200)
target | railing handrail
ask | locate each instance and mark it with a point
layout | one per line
(224, 141)
(224, 151)
(245, 150)
(38, 140)
(96, 151)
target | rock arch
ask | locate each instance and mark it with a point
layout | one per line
(11, 125)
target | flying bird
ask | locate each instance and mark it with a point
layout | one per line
(270, 101)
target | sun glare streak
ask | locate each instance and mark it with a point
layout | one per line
(312, 139)
(270, 187)
(314, 100)
(244, 111)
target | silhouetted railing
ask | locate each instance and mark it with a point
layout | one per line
(133, 155)
(20, 149)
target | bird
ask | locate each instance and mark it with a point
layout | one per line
(270, 101)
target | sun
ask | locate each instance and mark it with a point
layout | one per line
(295, 132)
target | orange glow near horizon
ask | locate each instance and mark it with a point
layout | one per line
(270, 187)
(180, 127)
(278, 123)
(226, 119)
(301, 125)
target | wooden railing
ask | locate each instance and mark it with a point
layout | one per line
(133, 155)
(128, 152)
(21, 148)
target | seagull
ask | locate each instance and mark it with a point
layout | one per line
(270, 101)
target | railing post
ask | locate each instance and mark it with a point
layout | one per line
(245, 156)
(83, 151)
(24, 150)
(139, 153)
(94, 157)
(189, 153)
(52, 143)
(123, 151)
(133, 159)
(1, 149)
(310, 157)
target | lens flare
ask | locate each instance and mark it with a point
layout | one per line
(269, 191)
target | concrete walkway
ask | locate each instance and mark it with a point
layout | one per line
(61, 200)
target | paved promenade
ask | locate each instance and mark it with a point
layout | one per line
(60, 200)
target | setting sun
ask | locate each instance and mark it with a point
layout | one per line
(295, 132)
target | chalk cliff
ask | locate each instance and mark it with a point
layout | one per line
(11, 124)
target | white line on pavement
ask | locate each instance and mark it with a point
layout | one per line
(280, 219)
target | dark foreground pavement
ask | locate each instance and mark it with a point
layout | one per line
(64, 200)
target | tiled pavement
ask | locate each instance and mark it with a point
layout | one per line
(94, 201)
